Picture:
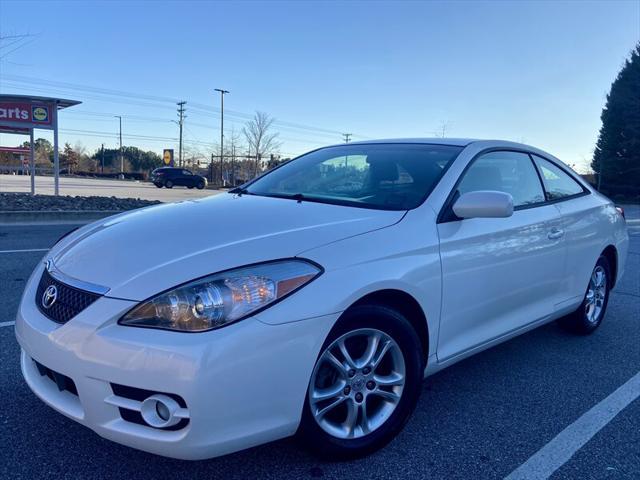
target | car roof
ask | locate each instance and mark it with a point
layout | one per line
(459, 142)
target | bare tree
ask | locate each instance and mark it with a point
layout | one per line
(193, 155)
(260, 137)
(235, 144)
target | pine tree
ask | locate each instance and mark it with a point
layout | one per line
(617, 155)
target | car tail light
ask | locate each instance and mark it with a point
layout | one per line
(621, 212)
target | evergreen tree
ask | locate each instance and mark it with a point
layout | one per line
(137, 160)
(69, 158)
(617, 155)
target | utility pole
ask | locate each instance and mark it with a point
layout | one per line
(119, 117)
(181, 118)
(102, 159)
(347, 137)
(222, 93)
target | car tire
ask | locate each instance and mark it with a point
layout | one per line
(388, 407)
(588, 317)
(159, 185)
(168, 184)
(200, 185)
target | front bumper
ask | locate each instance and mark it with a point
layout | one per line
(243, 385)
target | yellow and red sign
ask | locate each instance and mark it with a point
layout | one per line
(167, 157)
(27, 114)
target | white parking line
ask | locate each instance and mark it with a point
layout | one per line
(25, 250)
(559, 450)
(6, 324)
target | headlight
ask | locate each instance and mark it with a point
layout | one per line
(220, 299)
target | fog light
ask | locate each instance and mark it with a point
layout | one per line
(159, 411)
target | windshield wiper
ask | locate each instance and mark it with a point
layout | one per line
(240, 191)
(299, 197)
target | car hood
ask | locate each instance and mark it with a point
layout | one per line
(141, 253)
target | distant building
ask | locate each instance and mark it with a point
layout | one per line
(14, 159)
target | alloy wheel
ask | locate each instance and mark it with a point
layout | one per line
(596, 294)
(357, 383)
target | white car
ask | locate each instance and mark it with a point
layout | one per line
(314, 299)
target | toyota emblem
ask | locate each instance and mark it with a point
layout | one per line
(49, 296)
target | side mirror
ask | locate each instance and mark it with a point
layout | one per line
(484, 204)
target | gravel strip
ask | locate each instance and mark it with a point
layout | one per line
(19, 202)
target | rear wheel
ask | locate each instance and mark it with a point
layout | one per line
(589, 315)
(168, 184)
(365, 383)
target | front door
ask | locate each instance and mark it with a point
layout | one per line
(499, 274)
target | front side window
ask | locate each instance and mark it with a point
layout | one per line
(382, 176)
(509, 172)
(557, 183)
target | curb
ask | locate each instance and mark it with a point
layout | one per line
(49, 216)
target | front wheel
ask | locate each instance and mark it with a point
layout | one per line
(200, 185)
(589, 315)
(168, 184)
(365, 383)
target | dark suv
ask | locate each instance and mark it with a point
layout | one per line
(170, 176)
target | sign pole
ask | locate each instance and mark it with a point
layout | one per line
(32, 162)
(56, 160)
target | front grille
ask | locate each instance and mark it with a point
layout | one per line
(140, 395)
(70, 301)
(64, 383)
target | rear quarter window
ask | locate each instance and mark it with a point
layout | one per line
(557, 183)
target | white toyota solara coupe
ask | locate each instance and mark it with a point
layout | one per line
(314, 299)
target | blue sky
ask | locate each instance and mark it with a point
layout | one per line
(536, 72)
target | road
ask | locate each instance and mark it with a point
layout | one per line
(101, 187)
(482, 418)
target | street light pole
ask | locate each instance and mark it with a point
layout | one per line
(119, 117)
(222, 93)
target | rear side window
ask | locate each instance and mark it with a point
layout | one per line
(509, 172)
(557, 183)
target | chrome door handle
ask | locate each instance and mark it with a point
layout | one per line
(555, 233)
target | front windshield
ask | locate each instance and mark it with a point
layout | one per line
(381, 176)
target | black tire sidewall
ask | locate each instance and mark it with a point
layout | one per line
(396, 326)
(168, 184)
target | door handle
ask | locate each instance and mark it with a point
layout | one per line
(555, 233)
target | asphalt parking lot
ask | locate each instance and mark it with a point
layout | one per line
(482, 418)
(101, 187)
